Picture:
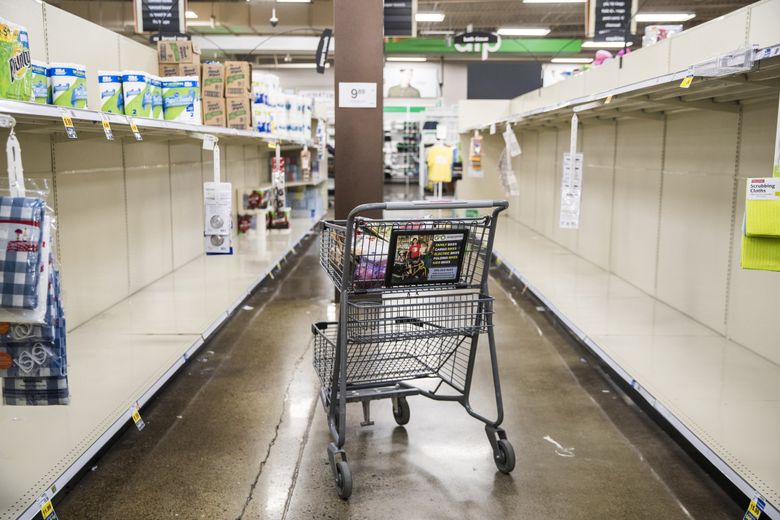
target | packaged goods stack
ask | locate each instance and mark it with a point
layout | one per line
(238, 94)
(179, 65)
(213, 92)
(264, 87)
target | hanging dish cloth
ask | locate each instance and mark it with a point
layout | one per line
(21, 223)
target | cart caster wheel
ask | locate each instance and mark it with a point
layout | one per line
(505, 458)
(343, 480)
(403, 413)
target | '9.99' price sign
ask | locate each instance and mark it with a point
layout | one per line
(357, 95)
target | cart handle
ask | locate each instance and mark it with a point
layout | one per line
(425, 204)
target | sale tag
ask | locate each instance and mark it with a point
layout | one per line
(47, 509)
(107, 127)
(272, 145)
(608, 100)
(68, 122)
(686, 82)
(136, 415)
(134, 129)
(755, 508)
(209, 141)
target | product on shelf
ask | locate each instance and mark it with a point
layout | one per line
(15, 62)
(262, 109)
(258, 198)
(213, 80)
(137, 93)
(68, 84)
(111, 94)
(179, 69)
(214, 111)
(155, 87)
(177, 51)
(181, 99)
(40, 83)
(239, 113)
(238, 79)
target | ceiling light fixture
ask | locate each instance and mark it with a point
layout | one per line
(429, 17)
(190, 15)
(291, 66)
(523, 31)
(554, 1)
(571, 60)
(664, 17)
(605, 45)
(437, 32)
(293, 1)
(407, 58)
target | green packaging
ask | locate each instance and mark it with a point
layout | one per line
(68, 84)
(40, 83)
(111, 94)
(15, 62)
(181, 99)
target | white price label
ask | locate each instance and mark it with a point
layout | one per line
(357, 95)
(209, 141)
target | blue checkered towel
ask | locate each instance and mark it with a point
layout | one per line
(36, 391)
(21, 222)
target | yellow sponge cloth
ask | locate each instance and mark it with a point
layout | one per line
(760, 253)
(762, 207)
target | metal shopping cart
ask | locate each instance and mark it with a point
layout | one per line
(413, 303)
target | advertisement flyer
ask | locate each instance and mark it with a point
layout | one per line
(426, 256)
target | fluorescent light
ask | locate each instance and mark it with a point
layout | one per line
(523, 31)
(189, 15)
(437, 32)
(429, 17)
(664, 17)
(293, 1)
(554, 1)
(291, 66)
(605, 45)
(571, 60)
(407, 58)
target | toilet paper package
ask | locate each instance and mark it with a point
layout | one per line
(40, 83)
(111, 95)
(155, 83)
(138, 93)
(68, 84)
(15, 62)
(181, 99)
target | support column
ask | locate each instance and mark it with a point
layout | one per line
(358, 34)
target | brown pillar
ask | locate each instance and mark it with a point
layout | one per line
(359, 49)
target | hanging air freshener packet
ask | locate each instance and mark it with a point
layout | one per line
(15, 62)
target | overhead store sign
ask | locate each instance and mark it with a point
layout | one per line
(481, 42)
(611, 20)
(322, 50)
(163, 16)
(519, 46)
(399, 18)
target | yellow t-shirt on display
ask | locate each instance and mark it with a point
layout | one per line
(440, 163)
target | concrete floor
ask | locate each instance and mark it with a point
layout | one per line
(240, 433)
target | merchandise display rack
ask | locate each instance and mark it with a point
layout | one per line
(42, 118)
(719, 84)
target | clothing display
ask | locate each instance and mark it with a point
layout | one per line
(439, 160)
(21, 220)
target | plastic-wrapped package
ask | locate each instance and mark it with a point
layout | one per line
(21, 244)
(36, 391)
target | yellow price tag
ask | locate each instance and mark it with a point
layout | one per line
(67, 121)
(686, 82)
(106, 125)
(272, 146)
(753, 508)
(133, 126)
(136, 416)
(608, 100)
(47, 509)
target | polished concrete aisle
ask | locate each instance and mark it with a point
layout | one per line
(240, 433)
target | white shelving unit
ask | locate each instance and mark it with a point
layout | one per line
(650, 281)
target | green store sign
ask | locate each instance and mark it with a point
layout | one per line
(522, 46)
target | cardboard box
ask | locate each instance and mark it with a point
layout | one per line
(179, 69)
(212, 83)
(177, 51)
(238, 79)
(239, 113)
(214, 112)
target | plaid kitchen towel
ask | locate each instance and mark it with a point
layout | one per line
(39, 384)
(36, 391)
(18, 332)
(39, 359)
(21, 222)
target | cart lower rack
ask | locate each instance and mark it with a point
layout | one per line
(414, 303)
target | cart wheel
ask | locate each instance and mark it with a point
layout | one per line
(343, 479)
(505, 459)
(403, 414)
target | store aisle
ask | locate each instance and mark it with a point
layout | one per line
(240, 433)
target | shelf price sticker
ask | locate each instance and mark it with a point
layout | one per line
(755, 508)
(608, 100)
(67, 120)
(136, 415)
(209, 141)
(107, 127)
(686, 82)
(47, 509)
(134, 129)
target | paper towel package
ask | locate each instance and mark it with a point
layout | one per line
(138, 93)
(15, 62)
(68, 84)
(181, 99)
(111, 95)
(155, 83)
(40, 83)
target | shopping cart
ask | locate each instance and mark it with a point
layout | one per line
(413, 303)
